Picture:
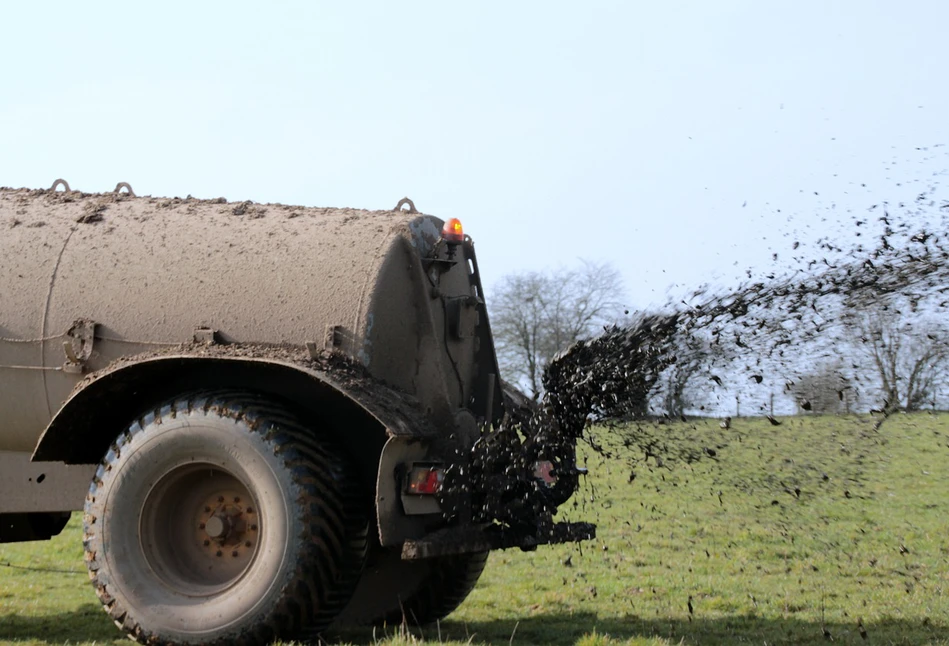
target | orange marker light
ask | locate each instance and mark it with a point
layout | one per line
(452, 231)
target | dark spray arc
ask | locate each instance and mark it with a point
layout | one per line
(765, 327)
(608, 377)
(770, 323)
(761, 334)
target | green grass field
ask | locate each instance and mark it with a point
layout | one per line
(818, 529)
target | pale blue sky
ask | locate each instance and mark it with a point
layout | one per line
(631, 132)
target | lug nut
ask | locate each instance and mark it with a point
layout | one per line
(253, 528)
(234, 553)
(207, 509)
(220, 498)
(201, 526)
(247, 543)
(250, 510)
(220, 553)
(237, 499)
(206, 542)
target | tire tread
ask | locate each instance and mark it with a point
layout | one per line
(333, 509)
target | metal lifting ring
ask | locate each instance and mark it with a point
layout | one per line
(403, 202)
(125, 185)
(60, 182)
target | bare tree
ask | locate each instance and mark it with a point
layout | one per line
(693, 356)
(535, 315)
(825, 389)
(910, 357)
(519, 326)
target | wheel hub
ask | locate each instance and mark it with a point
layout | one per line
(217, 527)
(201, 528)
(227, 524)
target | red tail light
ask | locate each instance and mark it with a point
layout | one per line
(424, 481)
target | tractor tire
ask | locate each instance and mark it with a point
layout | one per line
(393, 592)
(220, 519)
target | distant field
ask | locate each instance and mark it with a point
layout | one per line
(791, 534)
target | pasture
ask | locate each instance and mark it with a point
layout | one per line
(819, 529)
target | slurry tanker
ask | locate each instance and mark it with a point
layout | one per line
(274, 419)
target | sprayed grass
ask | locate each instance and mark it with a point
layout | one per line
(790, 533)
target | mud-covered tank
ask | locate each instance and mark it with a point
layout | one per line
(276, 407)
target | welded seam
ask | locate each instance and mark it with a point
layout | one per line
(49, 299)
(4, 339)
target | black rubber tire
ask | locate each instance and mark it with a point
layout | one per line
(393, 591)
(297, 568)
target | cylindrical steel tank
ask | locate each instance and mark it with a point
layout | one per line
(148, 272)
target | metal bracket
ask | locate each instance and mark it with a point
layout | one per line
(125, 185)
(205, 335)
(465, 540)
(462, 316)
(80, 339)
(405, 201)
(333, 338)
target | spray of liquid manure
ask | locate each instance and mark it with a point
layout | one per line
(833, 305)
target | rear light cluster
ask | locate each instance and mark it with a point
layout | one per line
(424, 480)
(544, 471)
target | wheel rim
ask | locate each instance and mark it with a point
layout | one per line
(200, 529)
